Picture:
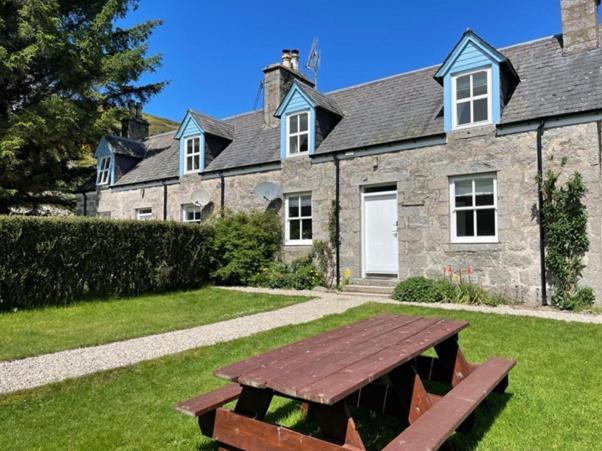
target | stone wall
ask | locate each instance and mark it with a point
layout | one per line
(510, 266)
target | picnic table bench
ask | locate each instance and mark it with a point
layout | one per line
(376, 364)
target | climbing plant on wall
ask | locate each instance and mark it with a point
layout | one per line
(566, 241)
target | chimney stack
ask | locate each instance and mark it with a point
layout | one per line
(580, 25)
(134, 126)
(295, 60)
(277, 80)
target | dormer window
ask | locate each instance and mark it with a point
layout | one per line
(472, 98)
(193, 154)
(298, 133)
(103, 171)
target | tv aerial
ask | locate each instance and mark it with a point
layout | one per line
(313, 60)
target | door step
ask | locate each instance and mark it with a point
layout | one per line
(369, 290)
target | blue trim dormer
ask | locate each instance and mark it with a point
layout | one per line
(190, 128)
(104, 151)
(469, 56)
(295, 102)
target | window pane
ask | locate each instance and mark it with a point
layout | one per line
(303, 122)
(463, 87)
(303, 145)
(295, 229)
(293, 207)
(306, 206)
(189, 148)
(306, 229)
(479, 83)
(292, 145)
(463, 113)
(465, 223)
(486, 222)
(293, 124)
(480, 110)
(464, 193)
(484, 191)
(189, 164)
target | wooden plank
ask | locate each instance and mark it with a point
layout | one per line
(301, 365)
(246, 433)
(337, 386)
(210, 401)
(337, 360)
(233, 371)
(433, 427)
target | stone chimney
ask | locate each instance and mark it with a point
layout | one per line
(134, 126)
(580, 25)
(277, 80)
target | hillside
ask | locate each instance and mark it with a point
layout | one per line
(160, 124)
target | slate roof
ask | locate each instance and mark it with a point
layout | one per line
(401, 107)
(125, 146)
(213, 126)
(321, 101)
(161, 160)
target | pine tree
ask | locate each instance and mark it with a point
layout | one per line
(67, 71)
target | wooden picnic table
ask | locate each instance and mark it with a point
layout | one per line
(375, 364)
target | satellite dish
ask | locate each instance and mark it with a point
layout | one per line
(267, 190)
(201, 197)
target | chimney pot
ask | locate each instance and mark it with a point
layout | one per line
(286, 58)
(131, 109)
(295, 59)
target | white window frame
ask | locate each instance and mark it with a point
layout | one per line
(287, 219)
(454, 238)
(297, 134)
(186, 208)
(193, 154)
(471, 99)
(104, 171)
(144, 214)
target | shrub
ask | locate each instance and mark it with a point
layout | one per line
(302, 274)
(583, 297)
(53, 261)
(419, 289)
(243, 243)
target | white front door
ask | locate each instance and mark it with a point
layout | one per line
(380, 247)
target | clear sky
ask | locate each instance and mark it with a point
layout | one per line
(214, 51)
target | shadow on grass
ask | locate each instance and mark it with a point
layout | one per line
(378, 430)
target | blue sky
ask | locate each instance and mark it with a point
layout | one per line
(214, 51)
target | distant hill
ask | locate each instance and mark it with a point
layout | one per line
(160, 124)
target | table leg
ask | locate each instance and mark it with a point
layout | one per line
(336, 424)
(253, 403)
(410, 392)
(451, 366)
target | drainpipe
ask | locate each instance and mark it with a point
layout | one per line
(337, 222)
(222, 193)
(542, 232)
(164, 202)
(85, 204)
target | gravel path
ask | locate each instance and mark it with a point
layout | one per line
(44, 369)
(36, 371)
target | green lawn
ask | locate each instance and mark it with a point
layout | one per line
(553, 401)
(34, 332)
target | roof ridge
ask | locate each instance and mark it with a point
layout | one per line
(241, 114)
(421, 69)
(160, 134)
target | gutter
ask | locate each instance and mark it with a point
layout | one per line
(542, 232)
(337, 210)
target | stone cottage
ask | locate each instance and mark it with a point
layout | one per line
(432, 170)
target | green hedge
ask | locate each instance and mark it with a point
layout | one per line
(53, 261)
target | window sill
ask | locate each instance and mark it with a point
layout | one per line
(297, 155)
(487, 241)
(299, 243)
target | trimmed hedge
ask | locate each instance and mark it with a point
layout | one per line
(53, 261)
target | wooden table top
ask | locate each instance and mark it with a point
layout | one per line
(328, 367)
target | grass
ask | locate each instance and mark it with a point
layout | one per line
(552, 402)
(33, 332)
